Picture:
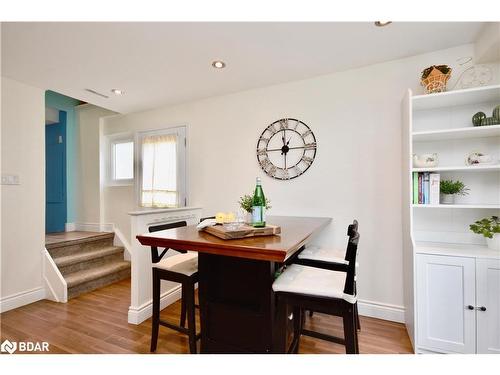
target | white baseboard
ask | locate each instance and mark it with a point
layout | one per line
(383, 311)
(22, 298)
(69, 227)
(93, 227)
(145, 311)
(430, 351)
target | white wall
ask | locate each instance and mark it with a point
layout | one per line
(87, 194)
(487, 46)
(23, 205)
(356, 118)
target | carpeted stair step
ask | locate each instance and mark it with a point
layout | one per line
(89, 279)
(90, 259)
(87, 244)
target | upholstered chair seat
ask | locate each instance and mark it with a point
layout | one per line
(186, 264)
(313, 281)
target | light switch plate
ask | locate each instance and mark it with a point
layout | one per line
(10, 179)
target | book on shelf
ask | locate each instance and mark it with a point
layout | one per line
(434, 185)
(420, 188)
(426, 188)
(415, 187)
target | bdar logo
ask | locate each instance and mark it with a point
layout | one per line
(9, 347)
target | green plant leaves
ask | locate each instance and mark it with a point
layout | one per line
(486, 226)
(453, 187)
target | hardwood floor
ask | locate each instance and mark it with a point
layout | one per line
(96, 322)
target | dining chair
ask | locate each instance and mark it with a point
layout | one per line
(180, 268)
(319, 288)
(327, 258)
(206, 218)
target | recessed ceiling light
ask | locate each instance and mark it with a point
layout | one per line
(218, 64)
(382, 23)
(117, 91)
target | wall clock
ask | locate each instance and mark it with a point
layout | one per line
(286, 149)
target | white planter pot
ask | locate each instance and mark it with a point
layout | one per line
(447, 198)
(248, 218)
(494, 243)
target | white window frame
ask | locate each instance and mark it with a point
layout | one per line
(111, 140)
(181, 133)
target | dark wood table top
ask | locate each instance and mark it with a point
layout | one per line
(295, 232)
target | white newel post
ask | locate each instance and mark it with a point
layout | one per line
(141, 299)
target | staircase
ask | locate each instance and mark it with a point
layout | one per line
(89, 263)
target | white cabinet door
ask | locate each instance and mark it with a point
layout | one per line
(445, 303)
(488, 304)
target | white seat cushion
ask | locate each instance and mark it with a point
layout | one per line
(313, 281)
(186, 264)
(323, 254)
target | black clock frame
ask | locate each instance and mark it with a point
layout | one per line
(284, 150)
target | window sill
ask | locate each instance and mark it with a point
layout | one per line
(160, 210)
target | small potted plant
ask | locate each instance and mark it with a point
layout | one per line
(489, 227)
(245, 203)
(450, 188)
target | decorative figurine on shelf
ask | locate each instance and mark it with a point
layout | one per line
(473, 75)
(496, 112)
(476, 158)
(425, 160)
(435, 77)
(480, 119)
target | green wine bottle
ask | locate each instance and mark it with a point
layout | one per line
(258, 206)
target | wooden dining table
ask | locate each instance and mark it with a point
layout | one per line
(237, 304)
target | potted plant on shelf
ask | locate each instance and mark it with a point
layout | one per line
(245, 203)
(450, 188)
(489, 227)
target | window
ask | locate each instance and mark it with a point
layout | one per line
(162, 155)
(121, 159)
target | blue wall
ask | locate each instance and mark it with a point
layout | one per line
(67, 104)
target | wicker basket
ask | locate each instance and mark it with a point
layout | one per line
(436, 81)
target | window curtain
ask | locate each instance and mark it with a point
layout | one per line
(159, 171)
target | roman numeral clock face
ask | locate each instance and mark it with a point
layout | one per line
(286, 149)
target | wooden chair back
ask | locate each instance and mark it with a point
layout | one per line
(350, 256)
(206, 218)
(155, 258)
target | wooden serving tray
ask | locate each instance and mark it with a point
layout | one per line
(243, 232)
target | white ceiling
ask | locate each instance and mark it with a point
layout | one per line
(158, 64)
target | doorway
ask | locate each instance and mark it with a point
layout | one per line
(55, 175)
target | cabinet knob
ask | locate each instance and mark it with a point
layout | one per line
(482, 308)
(470, 307)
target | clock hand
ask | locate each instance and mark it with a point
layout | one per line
(285, 161)
(290, 148)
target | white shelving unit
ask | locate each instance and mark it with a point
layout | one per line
(459, 133)
(486, 206)
(438, 246)
(465, 168)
